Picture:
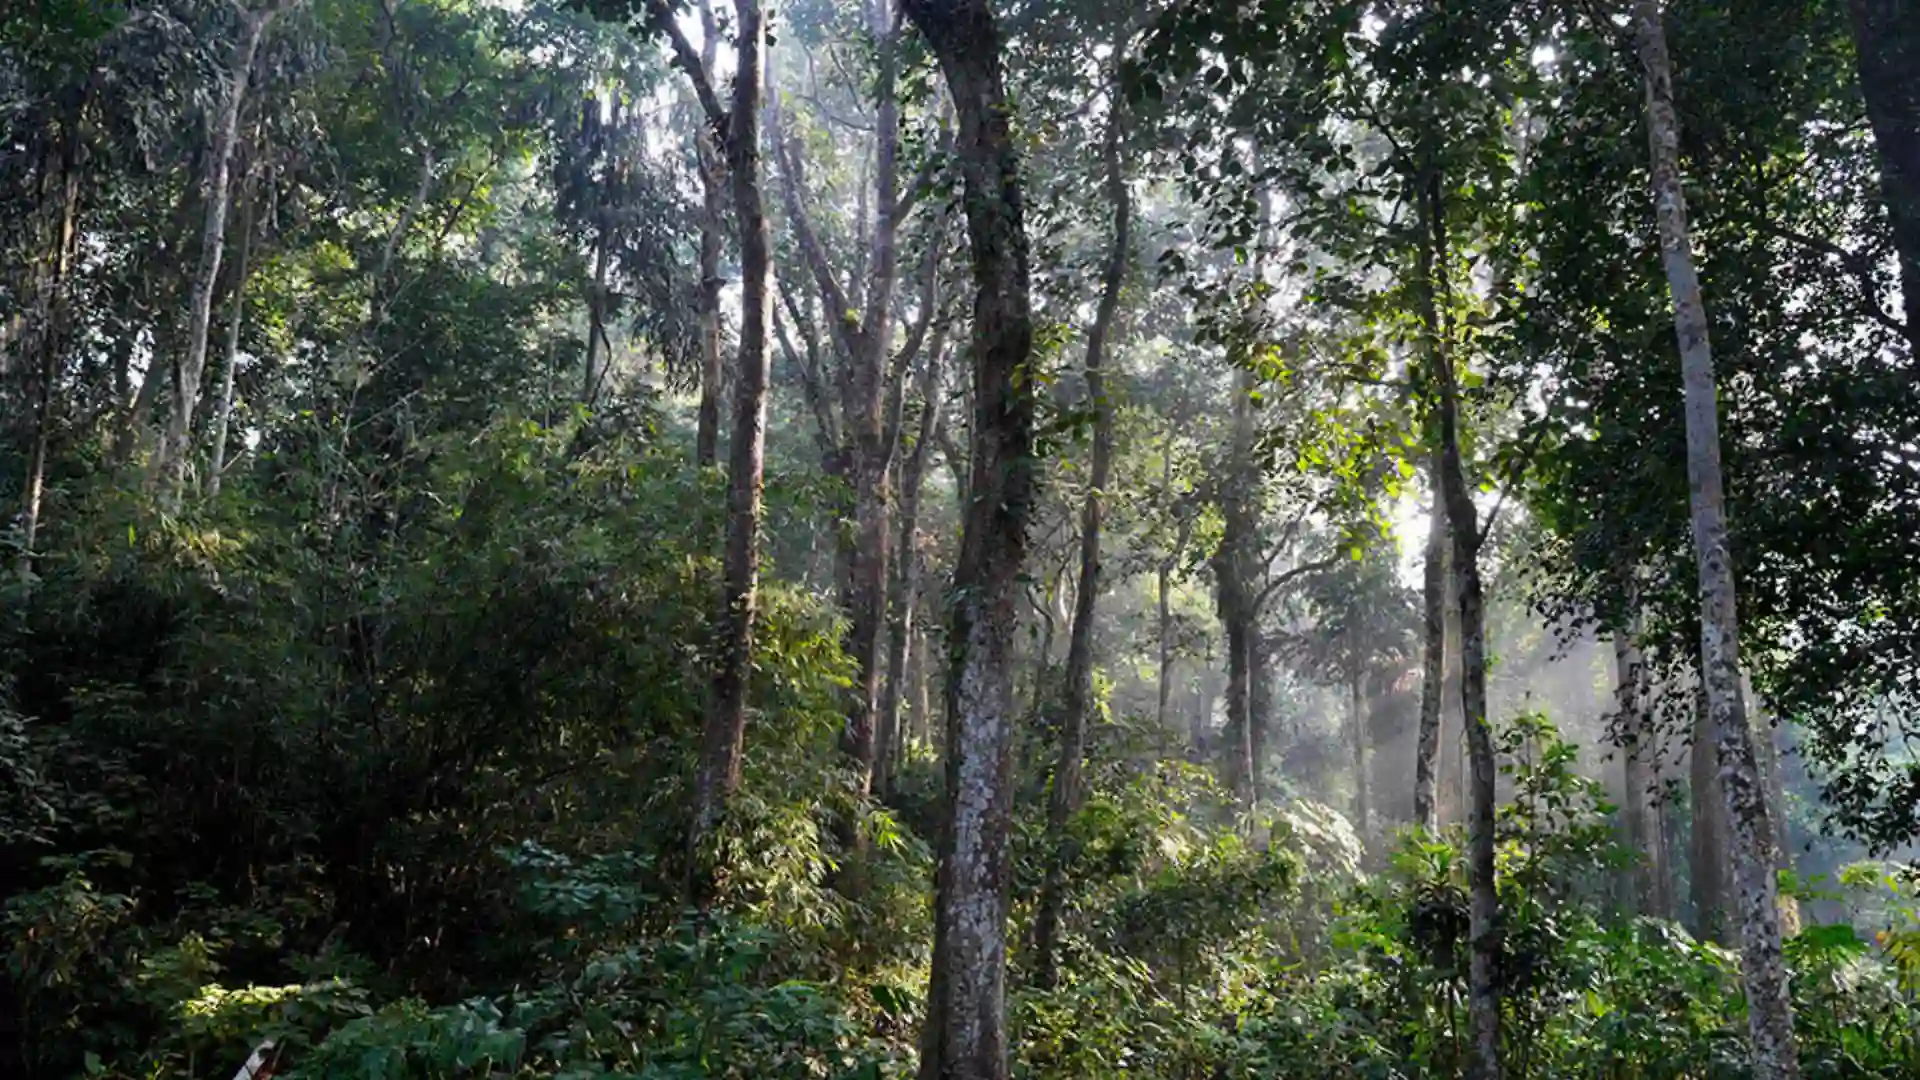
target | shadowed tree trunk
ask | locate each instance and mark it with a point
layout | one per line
(706, 441)
(188, 369)
(1233, 594)
(1769, 1004)
(1463, 524)
(1640, 754)
(48, 331)
(1077, 711)
(223, 410)
(1886, 41)
(1433, 657)
(1357, 737)
(724, 735)
(965, 1037)
(906, 575)
(1707, 849)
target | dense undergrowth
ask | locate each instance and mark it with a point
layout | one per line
(422, 817)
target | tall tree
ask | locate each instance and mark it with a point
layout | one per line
(188, 369)
(1769, 1005)
(737, 128)
(1886, 42)
(1077, 709)
(965, 1036)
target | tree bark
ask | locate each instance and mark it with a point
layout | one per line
(49, 337)
(1233, 593)
(709, 160)
(1769, 1005)
(1886, 42)
(1452, 796)
(1357, 736)
(1464, 526)
(1433, 598)
(597, 315)
(1640, 756)
(1707, 850)
(1077, 710)
(189, 369)
(906, 574)
(965, 1036)
(724, 737)
(223, 411)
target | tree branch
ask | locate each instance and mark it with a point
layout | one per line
(684, 56)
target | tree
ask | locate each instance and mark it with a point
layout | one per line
(1770, 1008)
(1886, 42)
(737, 128)
(965, 1036)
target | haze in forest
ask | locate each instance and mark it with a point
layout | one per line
(963, 539)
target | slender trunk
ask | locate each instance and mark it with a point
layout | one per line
(1077, 710)
(725, 735)
(49, 339)
(1637, 737)
(1232, 589)
(1357, 734)
(712, 366)
(597, 315)
(712, 167)
(1886, 42)
(1452, 796)
(1707, 855)
(188, 371)
(965, 1036)
(1463, 524)
(1200, 720)
(1769, 1004)
(1767, 746)
(223, 411)
(906, 575)
(1163, 596)
(1426, 763)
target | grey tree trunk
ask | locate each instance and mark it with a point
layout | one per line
(1078, 707)
(1433, 598)
(1707, 848)
(223, 411)
(724, 736)
(906, 574)
(1233, 594)
(710, 159)
(597, 316)
(965, 1037)
(1769, 1004)
(188, 370)
(1357, 739)
(1463, 523)
(1640, 757)
(1452, 798)
(1886, 41)
(49, 336)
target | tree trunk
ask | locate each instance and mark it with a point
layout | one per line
(709, 159)
(725, 733)
(1357, 736)
(597, 315)
(1453, 735)
(1077, 711)
(906, 574)
(49, 340)
(1767, 747)
(189, 369)
(1707, 853)
(223, 412)
(1464, 526)
(1640, 754)
(965, 1036)
(1886, 43)
(1769, 1005)
(1433, 674)
(1232, 593)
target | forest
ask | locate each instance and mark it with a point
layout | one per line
(959, 539)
